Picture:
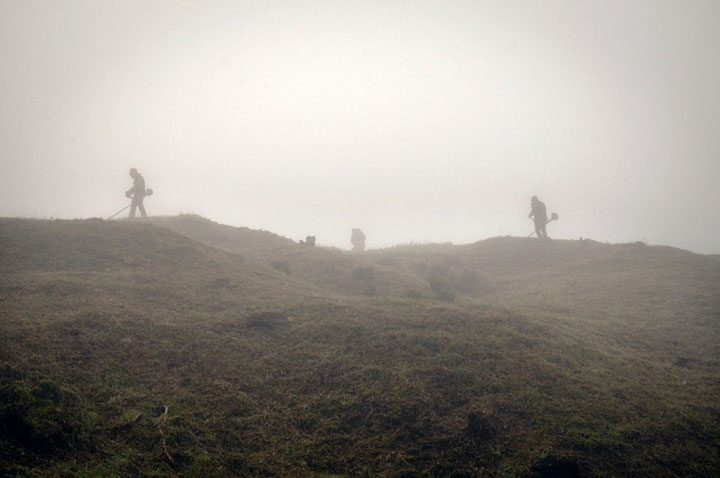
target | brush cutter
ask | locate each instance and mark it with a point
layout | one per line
(148, 192)
(121, 210)
(553, 217)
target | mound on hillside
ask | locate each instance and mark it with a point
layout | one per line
(647, 299)
(330, 269)
(132, 264)
(576, 276)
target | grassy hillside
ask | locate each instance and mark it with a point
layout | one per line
(635, 295)
(127, 349)
(330, 269)
(133, 263)
(604, 276)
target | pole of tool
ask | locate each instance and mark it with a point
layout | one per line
(121, 210)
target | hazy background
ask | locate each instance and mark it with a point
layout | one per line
(414, 121)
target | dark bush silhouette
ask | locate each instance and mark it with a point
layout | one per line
(267, 320)
(45, 419)
(281, 266)
(558, 466)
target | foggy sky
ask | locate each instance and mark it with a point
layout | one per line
(414, 121)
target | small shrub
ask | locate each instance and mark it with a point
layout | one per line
(479, 427)
(387, 261)
(363, 273)
(441, 285)
(44, 419)
(682, 362)
(281, 266)
(413, 294)
(468, 281)
(222, 283)
(420, 268)
(267, 320)
(557, 466)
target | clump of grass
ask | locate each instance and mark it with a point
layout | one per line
(282, 266)
(267, 320)
(43, 419)
(441, 285)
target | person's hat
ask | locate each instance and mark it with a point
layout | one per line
(133, 171)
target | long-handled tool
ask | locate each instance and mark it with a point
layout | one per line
(553, 217)
(121, 210)
(148, 192)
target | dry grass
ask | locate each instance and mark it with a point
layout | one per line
(129, 350)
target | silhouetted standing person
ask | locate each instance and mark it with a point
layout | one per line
(539, 214)
(357, 239)
(137, 193)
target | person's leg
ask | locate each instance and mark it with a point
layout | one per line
(141, 207)
(133, 205)
(538, 230)
(544, 232)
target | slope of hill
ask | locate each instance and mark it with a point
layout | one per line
(640, 300)
(131, 261)
(330, 269)
(129, 350)
(576, 277)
